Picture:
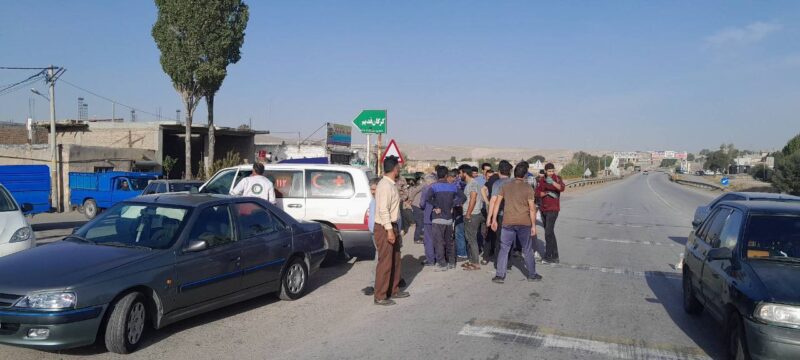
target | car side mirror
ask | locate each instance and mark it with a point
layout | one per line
(696, 223)
(194, 190)
(195, 246)
(719, 254)
(26, 208)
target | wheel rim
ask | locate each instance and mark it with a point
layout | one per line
(295, 278)
(136, 323)
(90, 209)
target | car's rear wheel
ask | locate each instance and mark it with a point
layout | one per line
(126, 324)
(90, 208)
(737, 342)
(690, 303)
(294, 280)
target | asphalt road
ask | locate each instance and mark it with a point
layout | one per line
(615, 294)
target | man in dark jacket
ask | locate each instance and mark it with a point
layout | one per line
(443, 196)
(548, 191)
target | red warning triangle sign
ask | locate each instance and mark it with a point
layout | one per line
(393, 150)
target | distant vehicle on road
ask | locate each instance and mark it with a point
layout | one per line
(336, 196)
(149, 262)
(91, 193)
(702, 212)
(743, 266)
(28, 184)
(700, 173)
(644, 172)
(15, 233)
(171, 186)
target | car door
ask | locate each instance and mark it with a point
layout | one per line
(715, 225)
(289, 192)
(266, 243)
(717, 273)
(696, 249)
(216, 271)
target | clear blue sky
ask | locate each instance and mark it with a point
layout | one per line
(621, 75)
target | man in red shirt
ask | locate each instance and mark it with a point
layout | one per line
(549, 192)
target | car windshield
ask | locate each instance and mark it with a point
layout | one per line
(6, 201)
(774, 237)
(136, 225)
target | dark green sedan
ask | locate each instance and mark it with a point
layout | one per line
(152, 261)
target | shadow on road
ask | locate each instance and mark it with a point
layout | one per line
(701, 328)
(679, 239)
(316, 281)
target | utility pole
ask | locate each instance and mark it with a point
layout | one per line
(51, 72)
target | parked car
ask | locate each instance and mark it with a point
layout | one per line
(743, 267)
(171, 186)
(644, 172)
(28, 184)
(700, 173)
(336, 196)
(15, 233)
(91, 193)
(150, 262)
(702, 211)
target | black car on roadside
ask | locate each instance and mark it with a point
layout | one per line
(742, 265)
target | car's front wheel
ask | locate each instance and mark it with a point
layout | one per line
(294, 280)
(126, 324)
(690, 303)
(737, 342)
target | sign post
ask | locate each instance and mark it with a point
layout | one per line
(372, 122)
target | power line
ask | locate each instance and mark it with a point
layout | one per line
(22, 68)
(110, 100)
(20, 84)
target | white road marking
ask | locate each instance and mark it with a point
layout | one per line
(620, 271)
(622, 241)
(547, 338)
(664, 200)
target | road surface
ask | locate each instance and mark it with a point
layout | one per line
(615, 294)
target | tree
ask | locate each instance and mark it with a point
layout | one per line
(224, 25)
(572, 170)
(718, 161)
(178, 32)
(787, 174)
(705, 152)
(167, 165)
(690, 157)
(665, 163)
(761, 172)
(536, 158)
(629, 165)
(792, 146)
(453, 160)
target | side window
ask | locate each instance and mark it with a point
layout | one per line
(162, 188)
(730, 233)
(241, 175)
(220, 184)
(150, 189)
(213, 225)
(288, 184)
(256, 220)
(329, 184)
(715, 227)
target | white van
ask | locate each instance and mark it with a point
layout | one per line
(15, 233)
(335, 195)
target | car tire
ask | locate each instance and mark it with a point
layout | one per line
(294, 280)
(90, 208)
(737, 341)
(333, 243)
(126, 324)
(691, 305)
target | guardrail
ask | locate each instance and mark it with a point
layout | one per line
(696, 184)
(587, 182)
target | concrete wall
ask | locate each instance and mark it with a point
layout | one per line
(140, 136)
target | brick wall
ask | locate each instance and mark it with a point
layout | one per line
(17, 134)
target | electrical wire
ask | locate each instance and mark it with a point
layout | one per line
(111, 100)
(7, 89)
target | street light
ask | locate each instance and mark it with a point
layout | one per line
(33, 90)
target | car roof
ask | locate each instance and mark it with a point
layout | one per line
(177, 181)
(178, 199)
(762, 206)
(762, 195)
(300, 167)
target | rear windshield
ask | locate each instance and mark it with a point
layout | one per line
(773, 236)
(6, 201)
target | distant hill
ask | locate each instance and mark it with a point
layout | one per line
(433, 152)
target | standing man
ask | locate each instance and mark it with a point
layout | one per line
(549, 192)
(518, 223)
(443, 196)
(473, 219)
(387, 239)
(256, 185)
(427, 211)
(414, 194)
(496, 206)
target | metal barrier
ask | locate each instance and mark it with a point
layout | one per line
(696, 184)
(587, 182)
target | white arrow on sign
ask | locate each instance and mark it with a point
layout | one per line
(393, 150)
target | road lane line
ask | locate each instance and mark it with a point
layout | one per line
(541, 337)
(622, 241)
(618, 271)
(665, 201)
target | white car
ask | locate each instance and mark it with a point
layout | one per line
(337, 196)
(15, 233)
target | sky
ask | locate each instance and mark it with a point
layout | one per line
(620, 75)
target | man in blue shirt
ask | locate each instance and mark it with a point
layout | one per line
(444, 196)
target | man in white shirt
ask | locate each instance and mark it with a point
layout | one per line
(256, 185)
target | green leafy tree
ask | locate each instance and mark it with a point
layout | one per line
(178, 32)
(665, 163)
(167, 165)
(224, 25)
(761, 172)
(792, 146)
(704, 152)
(572, 170)
(690, 157)
(787, 174)
(718, 161)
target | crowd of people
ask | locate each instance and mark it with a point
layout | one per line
(471, 215)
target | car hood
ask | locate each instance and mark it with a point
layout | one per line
(780, 280)
(61, 265)
(10, 222)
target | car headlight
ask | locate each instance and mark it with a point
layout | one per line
(23, 234)
(51, 300)
(783, 315)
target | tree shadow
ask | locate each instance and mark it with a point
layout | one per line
(679, 239)
(702, 328)
(153, 337)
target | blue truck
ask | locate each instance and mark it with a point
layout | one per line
(28, 184)
(90, 193)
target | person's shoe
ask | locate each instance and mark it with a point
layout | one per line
(451, 266)
(484, 262)
(535, 277)
(440, 268)
(402, 283)
(461, 258)
(401, 294)
(384, 302)
(369, 291)
(427, 265)
(498, 280)
(418, 241)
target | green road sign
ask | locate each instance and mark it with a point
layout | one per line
(371, 122)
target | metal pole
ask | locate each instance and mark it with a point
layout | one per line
(53, 148)
(368, 151)
(113, 111)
